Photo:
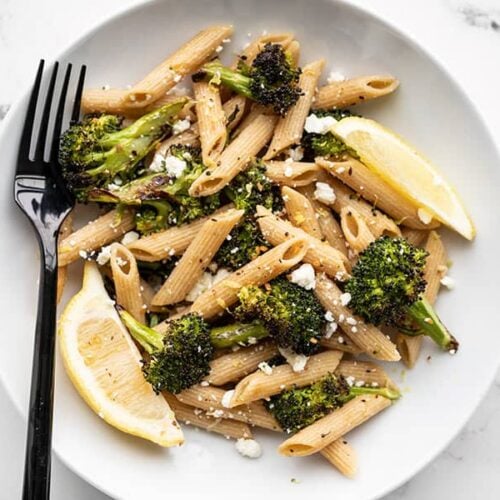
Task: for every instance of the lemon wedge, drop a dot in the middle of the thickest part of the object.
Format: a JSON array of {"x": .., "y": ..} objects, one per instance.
[
  {"x": 105, "y": 366},
  {"x": 403, "y": 168}
]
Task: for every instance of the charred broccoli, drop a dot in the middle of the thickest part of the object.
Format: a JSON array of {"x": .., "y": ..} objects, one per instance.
[
  {"x": 327, "y": 144},
  {"x": 297, "y": 408},
  {"x": 271, "y": 79},
  {"x": 386, "y": 286},
  {"x": 97, "y": 151},
  {"x": 293, "y": 315}
]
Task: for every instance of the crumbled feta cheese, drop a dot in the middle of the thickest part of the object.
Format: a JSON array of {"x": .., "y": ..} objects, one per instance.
[
  {"x": 177, "y": 78},
  {"x": 83, "y": 254},
  {"x": 158, "y": 163},
  {"x": 174, "y": 166},
  {"x": 264, "y": 367},
  {"x": 304, "y": 276},
  {"x": 448, "y": 282},
  {"x": 180, "y": 126},
  {"x": 216, "y": 413},
  {"x": 296, "y": 154},
  {"x": 104, "y": 255},
  {"x": 296, "y": 361},
  {"x": 360, "y": 383},
  {"x": 345, "y": 298},
  {"x": 226, "y": 398},
  {"x": 351, "y": 321},
  {"x": 316, "y": 125},
  {"x": 288, "y": 171},
  {"x": 130, "y": 237},
  {"x": 206, "y": 282},
  {"x": 248, "y": 448},
  {"x": 452, "y": 351},
  {"x": 330, "y": 329},
  {"x": 329, "y": 316},
  {"x": 335, "y": 76},
  {"x": 219, "y": 49},
  {"x": 350, "y": 380},
  {"x": 424, "y": 215},
  {"x": 324, "y": 193}
]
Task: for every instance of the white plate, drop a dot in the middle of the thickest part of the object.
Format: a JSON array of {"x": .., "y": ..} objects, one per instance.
[{"x": 440, "y": 394}]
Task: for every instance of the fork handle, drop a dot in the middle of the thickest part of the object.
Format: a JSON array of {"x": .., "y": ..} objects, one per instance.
[{"x": 39, "y": 436}]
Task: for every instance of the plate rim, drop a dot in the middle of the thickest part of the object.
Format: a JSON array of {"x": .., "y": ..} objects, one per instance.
[{"x": 413, "y": 42}]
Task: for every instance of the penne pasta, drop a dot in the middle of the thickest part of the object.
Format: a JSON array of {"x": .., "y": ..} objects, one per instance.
[
  {"x": 185, "y": 60},
  {"x": 355, "y": 229},
  {"x": 236, "y": 156},
  {"x": 340, "y": 342},
  {"x": 62, "y": 271},
  {"x": 289, "y": 128},
  {"x": 367, "y": 337},
  {"x": 319, "y": 254},
  {"x": 415, "y": 236},
  {"x": 372, "y": 188},
  {"x": 248, "y": 54},
  {"x": 91, "y": 237},
  {"x": 258, "y": 385},
  {"x": 172, "y": 241},
  {"x": 292, "y": 173},
  {"x": 332, "y": 427},
  {"x": 342, "y": 456},
  {"x": 197, "y": 257},
  {"x": 435, "y": 270},
  {"x": 236, "y": 365},
  {"x": 301, "y": 212},
  {"x": 104, "y": 100},
  {"x": 198, "y": 418},
  {"x": 234, "y": 109},
  {"x": 257, "y": 272},
  {"x": 127, "y": 281},
  {"x": 211, "y": 121},
  {"x": 365, "y": 373},
  {"x": 347, "y": 93}
]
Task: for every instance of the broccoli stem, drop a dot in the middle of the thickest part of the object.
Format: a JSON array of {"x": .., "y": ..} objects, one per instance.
[
  {"x": 386, "y": 392},
  {"x": 237, "y": 333},
  {"x": 429, "y": 324},
  {"x": 149, "y": 339},
  {"x": 229, "y": 78}
]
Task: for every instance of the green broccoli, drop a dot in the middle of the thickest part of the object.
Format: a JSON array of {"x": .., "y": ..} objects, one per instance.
[
  {"x": 271, "y": 79},
  {"x": 97, "y": 151},
  {"x": 386, "y": 286},
  {"x": 297, "y": 408},
  {"x": 293, "y": 315},
  {"x": 181, "y": 357},
  {"x": 326, "y": 145}
]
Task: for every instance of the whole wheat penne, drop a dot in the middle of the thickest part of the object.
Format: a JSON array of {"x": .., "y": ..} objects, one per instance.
[
  {"x": 127, "y": 281},
  {"x": 238, "y": 364},
  {"x": 353, "y": 91},
  {"x": 62, "y": 271},
  {"x": 414, "y": 236},
  {"x": 365, "y": 373},
  {"x": 332, "y": 232},
  {"x": 255, "y": 46},
  {"x": 355, "y": 229},
  {"x": 199, "y": 418},
  {"x": 234, "y": 109},
  {"x": 257, "y": 272},
  {"x": 172, "y": 241},
  {"x": 290, "y": 127},
  {"x": 373, "y": 188},
  {"x": 301, "y": 212},
  {"x": 196, "y": 258},
  {"x": 378, "y": 222},
  {"x": 235, "y": 157},
  {"x": 103, "y": 100},
  {"x": 319, "y": 254},
  {"x": 340, "y": 342},
  {"x": 328, "y": 429},
  {"x": 258, "y": 385},
  {"x": 185, "y": 60},
  {"x": 435, "y": 270},
  {"x": 211, "y": 121},
  {"x": 293, "y": 51},
  {"x": 292, "y": 173},
  {"x": 342, "y": 456},
  {"x": 95, "y": 234},
  {"x": 210, "y": 399},
  {"x": 367, "y": 337}
]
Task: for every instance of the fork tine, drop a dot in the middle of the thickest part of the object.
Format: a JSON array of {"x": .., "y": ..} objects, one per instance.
[
  {"x": 75, "y": 115},
  {"x": 24, "y": 146},
  {"x": 44, "y": 123},
  {"x": 54, "y": 150}
]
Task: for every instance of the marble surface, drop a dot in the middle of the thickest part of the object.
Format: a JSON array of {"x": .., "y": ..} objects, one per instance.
[{"x": 463, "y": 35}]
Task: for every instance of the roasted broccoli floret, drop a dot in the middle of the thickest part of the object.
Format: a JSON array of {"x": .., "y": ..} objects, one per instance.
[
  {"x": 293, "y": 315},
  {"x": 327, "y": 144},
  {"x": 386, "y": 287},
  {"x": 97, "y": 151},
  {"x": 180, "y": 358},
  {"x": 247, "y": 190},
  {"x": 271, "y": 79},
  {"x": 297, "y": 408}
]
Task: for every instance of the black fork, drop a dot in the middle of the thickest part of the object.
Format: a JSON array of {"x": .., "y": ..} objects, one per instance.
[{"x": 40, "y": 193}]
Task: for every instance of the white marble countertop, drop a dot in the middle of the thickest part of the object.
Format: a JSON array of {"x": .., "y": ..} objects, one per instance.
[{"x": 463, "y": 34}]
